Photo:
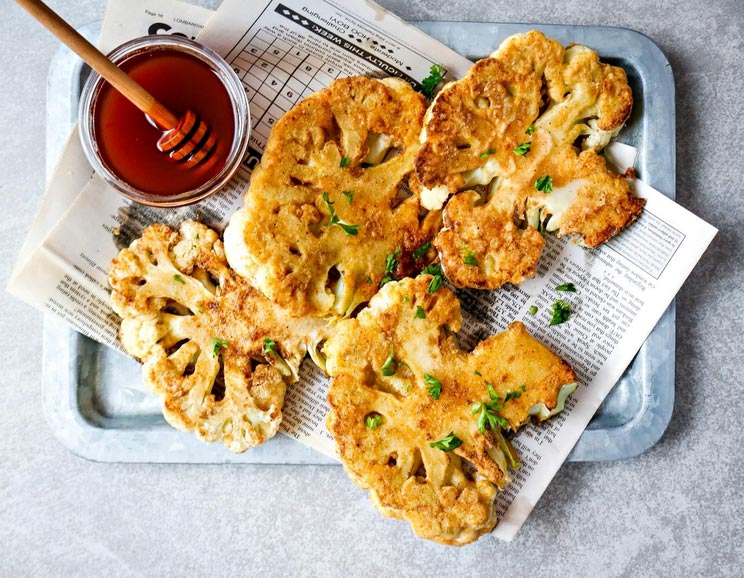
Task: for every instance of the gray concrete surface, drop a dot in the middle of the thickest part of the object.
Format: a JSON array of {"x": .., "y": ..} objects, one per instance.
[{"x": 676, "y": 510}]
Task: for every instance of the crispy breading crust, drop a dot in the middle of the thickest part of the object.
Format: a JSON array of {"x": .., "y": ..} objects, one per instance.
[
  {"x": 283, "y": 241},
  {"x": 176, "y": 294},
  {"x": 471, "y": 131},
  {"x": 511, "y": 256},
  {"x": 445, "y": 496}
]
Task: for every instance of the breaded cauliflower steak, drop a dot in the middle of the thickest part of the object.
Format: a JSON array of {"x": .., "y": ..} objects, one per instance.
[
  {"x": 324, "y": 208},
  {"x": 446, "y": 496},
  {"x": 513, "y": 121},
  {"x": 201, "y": 332}
]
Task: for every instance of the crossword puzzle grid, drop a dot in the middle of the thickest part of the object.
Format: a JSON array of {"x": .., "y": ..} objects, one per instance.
[{"x": 276, "y": 75}]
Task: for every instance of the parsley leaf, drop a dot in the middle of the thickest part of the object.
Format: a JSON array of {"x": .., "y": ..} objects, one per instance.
[
  {"x": 406, "y": 298},
  {"x": 391, "y": 262},
  {"x": 495, "y": 399},
  {"x": 487, "y": 416},
  {"x": 179, "y": 279},
  {"x": 350, "y": 230},
  {"x": 421, "y": 252},
  {"x": 512, "y": 395},
  {"x": 430, "y": 83},
  {"x": 420, "y": 313},
  {"x": 447, "y": 444},
  {"x": 329, "y": 205},
  {"x": 391, "y": 364},
  {"x": 522, "y": 149},
  {"x": 570, "y": 287},
  {"x": 435, "y": 270},
  {"x": 373, "y": 420},
  {"x": 530, "y": 130},
  {"x": 201, "y": 309},
  {"x": 478, "y": 373},
  {"x": 344, "y": 162},
  {"x": 349, "y": 195},
  {"x": 561, "y": 312},
  {"x": 216, "y": 344},
  {"x": 544, "y": 184},
  {"x": 486, "y": 153},
  {"x": 469, "y": 258},
  {"x": 269, "y": 346},
  {"x": 533, "y": 310},
  {"x": 435, "y": 386}
]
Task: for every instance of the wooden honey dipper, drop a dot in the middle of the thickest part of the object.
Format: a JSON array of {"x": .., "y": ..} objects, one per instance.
[{"x": 187, "y": 139}]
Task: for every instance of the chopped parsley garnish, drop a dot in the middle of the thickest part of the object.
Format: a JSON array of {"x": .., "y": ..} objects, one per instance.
[
  {"x": 373, "y": 420},
  {"x": 269, "y": 346},
  {"x": 406, "y": 298},
  {"x": 487, "y": 416},
  {"x": 448, "y": 443},
  {"x": 478, "y": 373},
  {"x": 349, "y": 195},
  {"x": 217, "y": 344},
  {"x": 469, "y": 258},
  {"x": 350, "y": 230},
  {"x": 435, "y": 285},
  {"x": 391, "y": 364},
  {"x": 201, "y": 309},
  {"x": 522, "y": 149},
  {"x": 430, "y": 83},
  {"x": 533, "y": 310},
  {"x": 421, "y": 252},
  {"x": 487, "y": 153},
  {"x": 434, "y": 385},
  {"x": 420, "y": 313},
  {"x": 570, "y": 287},
  {"x": 391, "y": 262},
  {"x": 179, "y": 279},
  {"x": 544, "y": 184},
  {"x": 530, "y": 130},
  {"x": 435, "y": 270},
  {"x": 345, "y": 162},
  {"x": 512, "y": 395},
  {"x": 561, "y": 312}
]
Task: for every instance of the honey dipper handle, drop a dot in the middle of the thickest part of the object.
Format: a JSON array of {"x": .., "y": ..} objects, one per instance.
[{"x": 119, "y": 79}]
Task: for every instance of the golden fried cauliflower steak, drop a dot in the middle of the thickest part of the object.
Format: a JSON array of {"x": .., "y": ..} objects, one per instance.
[
  {"x": 401, "y": 389},
  {"x": 214, "y": 349},
  {"x": 330, "y": 200},
  {"x": 512, "y": 128}
]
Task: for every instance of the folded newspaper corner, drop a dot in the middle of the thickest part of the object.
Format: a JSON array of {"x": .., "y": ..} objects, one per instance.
[{"x": 283, "y": 52}]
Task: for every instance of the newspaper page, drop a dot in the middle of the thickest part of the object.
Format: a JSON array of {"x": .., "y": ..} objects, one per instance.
[{"x": 283, "y": 51}]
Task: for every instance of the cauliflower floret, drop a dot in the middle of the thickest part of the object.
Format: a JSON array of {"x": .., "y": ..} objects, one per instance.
[
  {"x": 511, "y": 126},
  {"x": 214, "y": 349},
  {"x": 332, "y": 200},
  {"x": 420, "y": 422}
]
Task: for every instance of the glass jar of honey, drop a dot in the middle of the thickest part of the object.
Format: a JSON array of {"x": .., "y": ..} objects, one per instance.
[{"x": 120, "y": 141}]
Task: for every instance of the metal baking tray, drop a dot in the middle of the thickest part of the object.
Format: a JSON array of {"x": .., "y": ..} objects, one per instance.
[{"x": 94, "y": 399}]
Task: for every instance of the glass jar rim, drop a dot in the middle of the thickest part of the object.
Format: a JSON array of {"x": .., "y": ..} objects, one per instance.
[{"x": 241, "y": 116}]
